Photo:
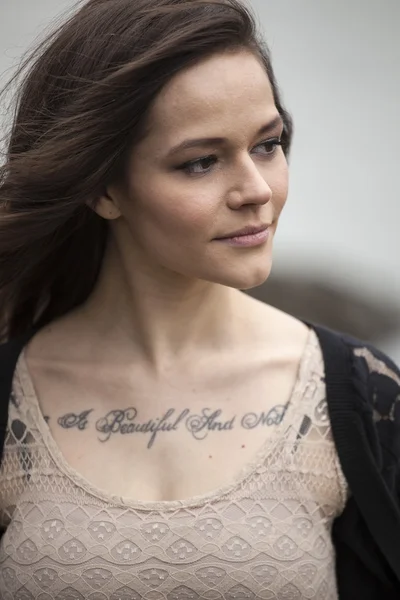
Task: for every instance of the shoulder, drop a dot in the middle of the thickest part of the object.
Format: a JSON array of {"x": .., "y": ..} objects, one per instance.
[
  {"x": 373, "y": 359},
  {"x": 375, "y": 383},
  {"x": 381, "y": 374},
  {"x": 365, "y": 360},
  {"x": 372, "y": 367},
  {"x": 267, "y": 324},
  {"x": 9, "y": 354},
  {"x": 378, "y": 377}
]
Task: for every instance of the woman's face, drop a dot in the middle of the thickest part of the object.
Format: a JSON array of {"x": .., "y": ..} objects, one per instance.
[{"x": 210, "y": 165}]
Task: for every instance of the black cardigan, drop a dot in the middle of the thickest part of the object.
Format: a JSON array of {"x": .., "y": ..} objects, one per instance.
[{"x": 363, "y": 394}]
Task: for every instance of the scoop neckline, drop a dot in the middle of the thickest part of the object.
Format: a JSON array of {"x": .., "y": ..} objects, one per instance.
[{"x": 249, "y": 469}]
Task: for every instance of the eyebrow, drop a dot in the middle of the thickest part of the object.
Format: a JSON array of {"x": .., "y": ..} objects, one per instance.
[{"x": 194, "y": 143}]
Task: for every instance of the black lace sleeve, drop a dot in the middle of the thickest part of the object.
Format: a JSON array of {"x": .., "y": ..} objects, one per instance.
[{"x": 378, "y": 380}]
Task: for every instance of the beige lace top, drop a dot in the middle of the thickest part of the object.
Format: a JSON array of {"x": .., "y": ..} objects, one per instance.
[{"x": 267, "y": 535}]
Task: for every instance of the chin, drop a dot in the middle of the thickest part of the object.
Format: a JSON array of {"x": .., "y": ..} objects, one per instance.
[
  {"x": 246, "y": 279},
  {"x": 245, "y": 269}
]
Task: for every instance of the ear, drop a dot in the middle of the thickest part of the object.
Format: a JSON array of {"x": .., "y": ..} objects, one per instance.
[{"x": 106, "y": 205}]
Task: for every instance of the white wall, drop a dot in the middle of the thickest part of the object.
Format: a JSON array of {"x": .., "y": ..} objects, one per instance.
[{"x": 337, "y": 62}]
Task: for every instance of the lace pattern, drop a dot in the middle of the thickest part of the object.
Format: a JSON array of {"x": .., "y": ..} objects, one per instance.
[{"x": 267, "y": 536}]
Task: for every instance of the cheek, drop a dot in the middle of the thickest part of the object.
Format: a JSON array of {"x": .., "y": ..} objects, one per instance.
[
  {"x": 279, "y": 184},
  {"x": 172, "y": 210}
]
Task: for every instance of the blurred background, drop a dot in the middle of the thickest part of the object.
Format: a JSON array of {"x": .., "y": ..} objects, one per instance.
[{"x": 337, "y": 252}]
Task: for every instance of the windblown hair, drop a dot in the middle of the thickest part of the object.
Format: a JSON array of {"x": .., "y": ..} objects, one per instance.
[{"x": 81, "y": 107}]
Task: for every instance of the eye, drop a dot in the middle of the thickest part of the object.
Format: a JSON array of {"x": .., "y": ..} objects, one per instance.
[
  {"x": 269, "y": 146},
  {"x": 199, "y": 166}
]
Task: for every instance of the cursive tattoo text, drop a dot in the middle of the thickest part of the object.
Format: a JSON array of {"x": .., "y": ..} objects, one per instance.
[
  {"x": 200, "y": 425},
  {"x": 72, "y": 420},
  {"x": 126, "y": 422}
]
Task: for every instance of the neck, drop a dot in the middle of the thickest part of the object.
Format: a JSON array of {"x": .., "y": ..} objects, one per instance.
[{"x": 160, "y": 317}]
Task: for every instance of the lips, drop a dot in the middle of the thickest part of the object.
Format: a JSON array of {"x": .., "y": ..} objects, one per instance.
[{"x": 245, "y": 231}]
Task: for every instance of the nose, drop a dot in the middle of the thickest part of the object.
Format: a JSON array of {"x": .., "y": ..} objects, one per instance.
[{"x": 249, "y": 186}]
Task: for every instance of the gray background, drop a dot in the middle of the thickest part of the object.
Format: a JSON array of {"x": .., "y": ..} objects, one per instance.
[{"x": 337, "y": 63}]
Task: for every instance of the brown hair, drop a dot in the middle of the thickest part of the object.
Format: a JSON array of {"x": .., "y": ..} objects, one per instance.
[{"x": 81, "y": 108}]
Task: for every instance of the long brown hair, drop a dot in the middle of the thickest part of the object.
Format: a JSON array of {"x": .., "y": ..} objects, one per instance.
[{"x": 81, "y": 107}]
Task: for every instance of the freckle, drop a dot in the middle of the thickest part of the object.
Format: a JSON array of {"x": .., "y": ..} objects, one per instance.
[
  {"x": 243, "y": 446},
  {"x": 210, "y": 456}
]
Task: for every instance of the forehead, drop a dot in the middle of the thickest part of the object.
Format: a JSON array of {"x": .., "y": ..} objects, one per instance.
[{"x": 224, "y": 91}]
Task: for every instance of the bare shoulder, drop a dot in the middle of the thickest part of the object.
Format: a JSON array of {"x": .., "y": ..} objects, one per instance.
[
  {"x": 282, "y": 332},
  {"x": 59, "y": 340},
  {"x": 55, "y": 351}
]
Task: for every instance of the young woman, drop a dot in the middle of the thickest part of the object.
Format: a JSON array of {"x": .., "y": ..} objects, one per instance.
[{"x": 166, "y": 435}]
